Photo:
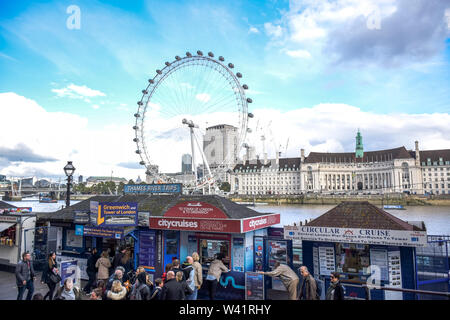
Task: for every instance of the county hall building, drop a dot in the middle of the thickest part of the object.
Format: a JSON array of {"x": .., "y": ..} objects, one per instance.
[{"x": 372, "y": 172}]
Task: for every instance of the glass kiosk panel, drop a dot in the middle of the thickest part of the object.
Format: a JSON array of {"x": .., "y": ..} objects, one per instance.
[{"x": 210, "y": 247}]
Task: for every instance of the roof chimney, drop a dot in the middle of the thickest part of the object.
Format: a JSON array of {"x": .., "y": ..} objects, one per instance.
[{"x": 302, "y": 155}]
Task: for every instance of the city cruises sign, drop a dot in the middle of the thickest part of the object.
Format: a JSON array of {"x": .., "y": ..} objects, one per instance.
[{"x": 354, "y": 235}]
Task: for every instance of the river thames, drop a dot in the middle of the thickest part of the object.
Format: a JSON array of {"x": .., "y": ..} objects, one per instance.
[{"x": 437, "y": 219}]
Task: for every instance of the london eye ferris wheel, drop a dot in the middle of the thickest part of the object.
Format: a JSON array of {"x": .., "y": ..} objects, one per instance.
[{"x": 185, "y": 97}]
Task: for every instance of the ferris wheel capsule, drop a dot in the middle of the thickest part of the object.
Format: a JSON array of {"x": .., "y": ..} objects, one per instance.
[
  {"x": 230, "y": 65},
  {"x": 144, "y": 91},
  {"x": 188, "y": 54},
  {"x": 167, "y": 63},
  {"x": 199, "y": 53},
  {"x": 158, "y": 71},
  {"x": 177, "y": 58},
  {"x": 151, "y": 81},
  {"x": 239, "y": 75},
  {"x": 211, "y": 54},
  {"x": 137, "y": 115},
  {"x": 142, "y": 163},
  {"x": 135, "y": 139},
  {"x": 245, "y": 86},
  {"x": 249, "y": 100},
  {"x": 221, "y": 58}
]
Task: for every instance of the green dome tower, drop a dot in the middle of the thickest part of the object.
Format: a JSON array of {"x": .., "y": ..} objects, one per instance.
[{"x": 359, "y": 151}]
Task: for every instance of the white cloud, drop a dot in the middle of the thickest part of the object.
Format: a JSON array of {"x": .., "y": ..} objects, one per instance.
[
  {"x": 203, "y": 97},
  {"x": 253, "y": 30},
  {"x": 78, "y": 92},
  {"x": 95, "y": 106},
  {"x": 97, "y": 151},
  {"x": 273, "y": 30},
  {"x": 303, "y": 54}
]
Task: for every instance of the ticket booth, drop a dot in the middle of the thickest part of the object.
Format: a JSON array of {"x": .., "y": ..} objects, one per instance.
[
  {"x": 207, "y": 225},
  {"x": 365, "y": 245}
]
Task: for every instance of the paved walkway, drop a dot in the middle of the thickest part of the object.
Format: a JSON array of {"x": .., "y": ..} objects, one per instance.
[{"x": 8, "y": 288}]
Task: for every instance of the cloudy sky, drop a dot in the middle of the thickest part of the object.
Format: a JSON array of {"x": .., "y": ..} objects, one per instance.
[{"x": 317, "y": 70}]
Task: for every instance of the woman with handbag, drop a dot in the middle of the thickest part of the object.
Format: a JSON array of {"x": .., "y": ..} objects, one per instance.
[{"x": 50, "y": 275}]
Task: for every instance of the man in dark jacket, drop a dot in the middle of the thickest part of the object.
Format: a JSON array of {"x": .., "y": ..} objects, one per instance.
[
  {"x": 91, "y": 270},
  {"x": 156, "y": 294},
  {"x": 117, "y": 275},
  {"x": 172, "y": 289},
  {"x": 308, "y": 289},
  {"x": 118, "y": 257},
  {"x": 335, "y": 290},
  {"x": 176, "y": 267},
  {"x": 25, "y": 276}
]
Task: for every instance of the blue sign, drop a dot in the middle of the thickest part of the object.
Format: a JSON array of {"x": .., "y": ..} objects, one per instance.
[
  {"x": 78, "y": 230},
  {"x": 117, "y": 214},
  {"x": 153, "y": 188},
  {"x": 68, "y": 270},
  {"x": 103, "y": 232}
]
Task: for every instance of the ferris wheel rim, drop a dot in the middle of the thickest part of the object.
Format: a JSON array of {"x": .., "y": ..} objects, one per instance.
[{"x": 171, "y": 67}]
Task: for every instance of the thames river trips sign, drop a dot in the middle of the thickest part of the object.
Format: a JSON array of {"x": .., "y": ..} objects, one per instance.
[{"x": 354, "y": 235}]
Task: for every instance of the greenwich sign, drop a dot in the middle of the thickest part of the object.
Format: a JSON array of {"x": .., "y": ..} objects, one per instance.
[{"x": 354, "y": 235}]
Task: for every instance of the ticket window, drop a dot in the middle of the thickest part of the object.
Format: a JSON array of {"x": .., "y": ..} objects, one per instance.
[
  {"x": 209, "y": 248},
  {"x": 352, "y": 259},
  {"x": 7, "y": 234}
]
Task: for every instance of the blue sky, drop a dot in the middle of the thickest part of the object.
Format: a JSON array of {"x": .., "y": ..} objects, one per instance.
[{"x": 294, "y": 56}]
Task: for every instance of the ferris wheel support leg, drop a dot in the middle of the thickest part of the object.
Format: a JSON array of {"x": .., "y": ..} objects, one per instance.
[
  {"x": 194, "y": 169},
  {"x": 203, "y": 156}
]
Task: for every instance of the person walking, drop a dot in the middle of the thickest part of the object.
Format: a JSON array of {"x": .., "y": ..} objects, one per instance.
[
  {"x": 189, "y": 273},
  {"x": 68, "y": 291},
  {"x": 172, "y": 289},
  {"x": 25, "y": 277},
  {"x": 50, "y": 275},
  {"x": 91, "y": 270},
  {"x": 156, "y": 294},
  {"x": 103, "y": 264},
  {"x": 308, "y": 289},
  {"x": 140, "y": 289},
  {"x": 287, "y": 276},
  {"x": 335, "y": 290},
  {"x": 198, "y": 274},
  {"x": 214, "y": 272},
  {"x": 117, "y": 292}
]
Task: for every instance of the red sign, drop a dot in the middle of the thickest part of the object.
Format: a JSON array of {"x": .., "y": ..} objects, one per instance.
[
  {"x": 204, "y": 225},
  {"x": 255, "y": 223},
  {"x": 195, "y": 209}
]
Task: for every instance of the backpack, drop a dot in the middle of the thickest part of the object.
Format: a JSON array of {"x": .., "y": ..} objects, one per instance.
[{"x": 187, "y": 270}]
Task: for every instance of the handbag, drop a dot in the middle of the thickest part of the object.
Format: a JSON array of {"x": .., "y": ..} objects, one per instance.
[{"x": 54, "y": 278}]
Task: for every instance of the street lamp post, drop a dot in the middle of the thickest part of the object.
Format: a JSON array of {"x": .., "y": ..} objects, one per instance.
[{"x": 69, "y": 169}]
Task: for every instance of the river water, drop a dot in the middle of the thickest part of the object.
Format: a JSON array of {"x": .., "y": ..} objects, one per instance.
[{"x": 437, "y": 219}]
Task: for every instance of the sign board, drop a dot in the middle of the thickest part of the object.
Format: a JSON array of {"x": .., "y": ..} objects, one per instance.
[
  {"x": 115, "y": 214},
  {"x": 395, "y": 276},
  {"x": 11, "y": 219},
  {"x": 260, "y": 222},
  {"x": 354, "y": 235},
  {"x": 238, "y": 254},
  {"x": 143, "y": 219},
  {"x": 326, "y": 260},
  {"x": 206, "y": 225},
  {"x": 17, "y": 210},
  {"x": 147, "y": 249},
  {"x": 69, "y": 269},
  {"x": 379, "y": 257},
  {"x": 195, "y": 209},
  {"x": 254, "y": 286},
  {"x": 102, "y": 232},
  {"x": 152, "y": 188},
  {"x": 81, "y": 217}
]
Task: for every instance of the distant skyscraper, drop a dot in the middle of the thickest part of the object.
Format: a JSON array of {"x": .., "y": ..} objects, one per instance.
[
  {"x": 138, "y": 180},
  {"x": 80, "y": 179},
  {"x": 186, "y": 163}
]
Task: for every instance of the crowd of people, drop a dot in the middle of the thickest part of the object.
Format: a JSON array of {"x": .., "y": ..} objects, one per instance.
[{"x": 115, "y": 279}]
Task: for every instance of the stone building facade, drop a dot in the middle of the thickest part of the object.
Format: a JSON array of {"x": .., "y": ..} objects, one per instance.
[{"x": 373, "y": 172}]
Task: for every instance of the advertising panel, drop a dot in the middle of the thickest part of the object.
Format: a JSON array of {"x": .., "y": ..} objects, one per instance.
[
  {"x": 195, "y": 209},
  {"x": 116, "y": 214},
  {"x": 152, "y": 188},
  {"x": 354, "y": 235},
  {"x": 147, "y": 249},
  {"x": 254, "y": 286},
  {"x": 238, "y": 254},
  {"x": 206, "y": 225},
  {"x": 260, "y": 222},
  {"x": 102, "y": 232},
  {"x": 259, "y": 253},
  {"x": 70, "y": 269}
]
